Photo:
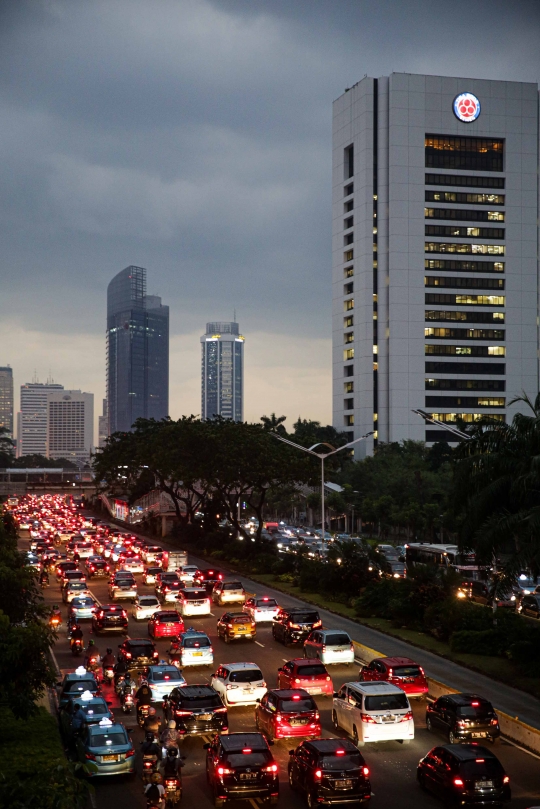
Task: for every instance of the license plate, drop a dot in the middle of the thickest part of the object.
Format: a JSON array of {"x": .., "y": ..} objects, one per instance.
[
  {"x": 347, "y": 784},
  {"x": 483, "y": 785},
  {"x": 240, "y": 628},
  {"x": 248, "y": 776},
  {"x": 110, "y": 758},
  {"x": 478, "y": 735},
  {"x": 388, "y": 719},
  {"x": 197, "y": 654},
  {"x": 298, "y": 722},
  {"x": 315, "y": 690},
  {"x": 205, "y": 716}
]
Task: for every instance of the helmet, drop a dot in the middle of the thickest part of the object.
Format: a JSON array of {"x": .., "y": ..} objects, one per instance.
[
  {"x": 151, "y": 711},
  {"x": 156, "y": 778},
  {"x": 171, "y": 725},
  {"x": 172, "y": 752},
  {"x": 91, "y": 642},
  {"x": 144, "y": 682},
  {"x": 77, "y": 705},
  {"x": 55, "y": 606},
  {"x": 109, "y": 651},
  {"x": 149, "y": 736}
]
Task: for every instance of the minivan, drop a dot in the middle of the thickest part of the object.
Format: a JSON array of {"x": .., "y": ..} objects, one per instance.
[{"x": 373, "y": 712}]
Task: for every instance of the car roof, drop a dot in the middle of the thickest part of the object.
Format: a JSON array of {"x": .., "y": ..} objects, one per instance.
[
  {"x": 238, "y": 741},
  {"x": 333, "y": 631},
  {"x": 468, "y": 752},
  {"x": 202, "y": 690},
  {"x": 288, "y": 693},
  {"x": 331, "y": 745},
  {"x": 147, "y": 595},
  {"x": 139, "y": 641},
  {"x": 193, "y": 632},
  {"x": 304, "y": 661},
  {"x": 240, "y": 666},
  {"x": 111, "y": 607},
  {"x": 375, "y": 688},
  {"x": 162, "y": 613},
  {"x": 116, "y": 727},
  {"x": 74, "y": 676},
  {"x": 466, "y": 699},
  {"x": 163, "y": 667},
  {"x": 396, "y": 661}
]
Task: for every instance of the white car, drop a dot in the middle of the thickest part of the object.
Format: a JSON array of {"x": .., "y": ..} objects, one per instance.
[
  {"x": 193, "y": 601},
  {"x": 187, "y": 572},
  {"x": 74, "y": 592},
  {"x": 373, "y": 712},
  {"x": 330, "y": 646},
  {"x": 239, "y": 683},
  {"x": 24, "y": 525},
  {"x": 162, "y": 679},
  {"x": 262, "y": 608},
  {"x": 144, "y": 607},
  {"x": 133, "y": 565}
]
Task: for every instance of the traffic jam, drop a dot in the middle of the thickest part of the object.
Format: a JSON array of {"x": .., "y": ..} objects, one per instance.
[{"x": 165, "y": 678}]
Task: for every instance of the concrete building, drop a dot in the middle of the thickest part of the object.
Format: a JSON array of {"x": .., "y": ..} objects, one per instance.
[
  {"x": 32, "y": 418},
  {"x": 103, "y": 426},
  {"x": 222, "y": 372},
  {"x": 70, "y": 425},
  {"x": 435, "y": 240},
  {"x": 6, "y": 399},
  {"x": 137, "y": 352}
]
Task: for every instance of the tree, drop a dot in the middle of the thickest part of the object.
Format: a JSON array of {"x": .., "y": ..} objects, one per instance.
[
  {"x": 36, "y": 461},
  {"x": 308, "y": 433},
  {"x": 6, "y": 448},
  {"x": 274, "y": 423}
]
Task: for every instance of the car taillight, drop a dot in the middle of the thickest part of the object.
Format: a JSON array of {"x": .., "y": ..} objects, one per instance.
[
  {"x": 155, "y": 654},
  {"x": 406, "y": 716},
  {"x": 279, "y": 717},
  {"x": 367, "y": 719},
  {"x": 506, "y": 779},
  {"x": 328, "y": 679},
  {"x": 130, "y": 753},
  {"x": 128, "y": 654},
  {"x": 271, "y": 768},
  {"x": 90, "y": 756},
  {"x": 220, "y": 710},
  {"x": 458, "y": 782},
  {"x": 317, "y": 624},
  {"x": 323, "y": 647},
  {"x": 223, "y": 771},
  {"x": 318, "y": 774},
  {"x": 182, "y": 713},
  {"x": 494, "y": 721}
]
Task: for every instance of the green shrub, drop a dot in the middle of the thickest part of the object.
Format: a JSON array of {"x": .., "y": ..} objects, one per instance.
[
  {"x": 483, "y": 642},
  {"x": 451, "y": 615},
  {"x": 525, "y": 652}
]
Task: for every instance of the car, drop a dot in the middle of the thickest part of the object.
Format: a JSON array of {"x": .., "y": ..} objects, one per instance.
[
  {"x": 241, "y": 766},
  {"x": 236, "y": 626},
  {"x": 373, "y": 712},
  {"x": 191, "y": 648},
  {"x": 164, "y": 579},
  {"x": 463, "y": 717},
  {"x": 330, "y": 646},
  {"x": 311, "y": 675},
  {"x": 73, "y": 589},
  {"x": 530, "y": 605},
  {"x": 207, "y": 578},
  {"x": 74, "y": 684},
  {"x": 149, "y": 552},
  {"x": 261, "y": 609},
  {"x": 84, "y": 549},
  {"x": 133, "y": 565},
  {"x": 228, "y": 592},
  {"x": 123, "y": 586},
  {"x": 96, "y": 566},
  {"x": 393, "y": 568},
  {"x": 294, "y": 625},
  {"x": 72, "y": 575},
  {"x": 193, "y": 601},
  {"x": 162, "y": 679},
  {"x": 144, "y": 607},
  {"x": 117, "y": 551},
  {"x": 197, "y": 710},
  {"x": 526, "y": 584},
  {"x": 187, "y": 572},
  {"x": 479, "y": 592},
  {"x": 288, "y": 712},
  {"x": 462, "y": 775},
  {"x": 401, "y": 671},
  {"x": 62, "y": 568},
  {"x": 329, "y": 771},
  {"x": 138, "y": 653},
  {"x": 83, "y": 607},
  {"x": 239, "y": 683},
  {"x": 110, "y": 618},
  {"x": 149, "y": 574},
  {"x": 170, "y": 591},
  {"x": 165, "y": 624},
  {"x": 388, "y": 552},
  {"x": 95, "y": 708},
  {"x": 108, "y": 747}
]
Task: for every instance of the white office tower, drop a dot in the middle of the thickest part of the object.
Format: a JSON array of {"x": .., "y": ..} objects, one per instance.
[
  {"x": 32, "y": 418},
  {"x": 103, "y": 426},
  {"x": 222, "y": 372},
  {"x": 435, "y": 237},
  {"x": 70, "y": 425}
]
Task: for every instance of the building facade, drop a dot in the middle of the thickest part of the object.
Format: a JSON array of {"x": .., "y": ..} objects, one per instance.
[
  {"x": 435, "y": 244},
  {"x": 32, "y": 418},
  {"x": 137, "y": 352},
  {"x": 70, "y": 425},
  {"x": 103, "y": 426},
  {"x": 6, "y": 399},
  {"x": 222, "y": 372}
]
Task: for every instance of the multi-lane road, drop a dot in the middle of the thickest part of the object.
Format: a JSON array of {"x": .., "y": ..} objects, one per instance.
[{"x": 392, "y": 765}]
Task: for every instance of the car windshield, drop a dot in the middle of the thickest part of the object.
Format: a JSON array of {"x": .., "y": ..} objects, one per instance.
[
  {"x": 347, "y": 762},
  {"x": 140, "y": 651},
  {"x": 148, "y": 601},
  {"x": 339, "y": 639},
  {"x": 95, "y": 710},
  {"x": 407, "y": 671},
  {"x": 210, "y": 701},
  {"x": 256, "y": 759},
  {"x": 266, "y": 602},
  {"x": 473, "y": 711},
  {"x": 245, "y": 676},
  {"x": 304, "y": 617},
  {"x": 481, "y": 768},
  {"x": 297, "y": 705},
  {"x": 80, "y": 685},
  {"x": 309, "y": 671},
  {"x": 232, "y": 585},
  {"x": 172, "y": 618},
  {"x": 196, "y": 595},
  {"x": 196, "y": 643},
  {"x": 386, "y": 702},
  {"x": 108, "y": 739},
  {"x": 83, "y": 602},
  {"x": 166, "y": 676}
]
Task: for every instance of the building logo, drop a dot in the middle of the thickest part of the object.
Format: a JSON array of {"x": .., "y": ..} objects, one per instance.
[{"x": 466, "y": 107}]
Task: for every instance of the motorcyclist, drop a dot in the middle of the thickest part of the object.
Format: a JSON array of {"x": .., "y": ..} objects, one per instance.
[
  {"x": 170, "y": 736},
  {"x": 154, "y": 792},
  {"x": 92, "y": 653},
  {"x": 152, "y": 722},
  {"x": 143, "y": 696},
  {"x": 44, "y": 578},
  {"x": 55, "y": 615},
  {"x": 108, "y": 660},
  {"x": 172, "y": 763},
  {"x": 120, "y": 670},
  {"x": 150, "y": 747},
  {"x": 75, "y": 633}
]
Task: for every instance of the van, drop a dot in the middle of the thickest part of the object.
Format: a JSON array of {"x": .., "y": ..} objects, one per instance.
[
  {"x": 176, "y": 560},
  {"x": 193, "y": 601},
  {"x": 373, "y": 712}
]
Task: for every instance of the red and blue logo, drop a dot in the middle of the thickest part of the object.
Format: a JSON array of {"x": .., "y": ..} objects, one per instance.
[{"x": 466, "y": 107}]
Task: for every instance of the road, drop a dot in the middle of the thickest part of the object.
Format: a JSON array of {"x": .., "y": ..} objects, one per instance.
[{"x": 392, "y": 765}]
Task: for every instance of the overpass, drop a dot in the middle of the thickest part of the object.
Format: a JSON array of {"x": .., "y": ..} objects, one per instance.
[{"x": 46, "y": 481}]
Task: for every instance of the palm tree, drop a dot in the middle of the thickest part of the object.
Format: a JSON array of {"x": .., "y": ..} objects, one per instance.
[{"x": 274, "y": 423}]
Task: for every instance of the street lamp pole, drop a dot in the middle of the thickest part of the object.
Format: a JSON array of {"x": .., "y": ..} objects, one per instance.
[{"x": 322, "y": 456}]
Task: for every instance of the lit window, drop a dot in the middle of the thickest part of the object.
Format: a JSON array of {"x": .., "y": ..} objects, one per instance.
[
  {"x": 349, "y": 421},
  {"x": 496, "y": 351},
  {"x": 348, "y": 354},
  {"x": 348, "y": 305},
  {"x": 348, "y": 255},
  {"x": 348, "y": 272},
  {"x": 375, "y": 349},
  {"x": 375, "y": 416},
  {"x": 348, "y": 387},
  {"x": 349, "y": 337},
  {"x": 348, "y": 321}
]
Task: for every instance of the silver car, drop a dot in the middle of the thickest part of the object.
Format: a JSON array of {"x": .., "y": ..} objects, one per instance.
[{"x": 330, "y": 646}]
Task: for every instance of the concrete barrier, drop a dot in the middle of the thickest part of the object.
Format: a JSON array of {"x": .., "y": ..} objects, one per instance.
[{"x": 364, "y": 654}]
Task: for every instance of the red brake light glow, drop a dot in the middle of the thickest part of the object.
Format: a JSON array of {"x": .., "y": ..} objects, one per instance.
[
  {"x": 506, "y": 779},
  {"x": 296, "y": 696},
  {"x": 246, "y": 750},
  {"x": 365, "y": 770},
  {"x": 475, "y": 704},
  {"x": 340, "y": 752},
  {"x": 318, "y": 773},
  {"x": 480, "y": 760},
  {"x": 458, "y": 782}
]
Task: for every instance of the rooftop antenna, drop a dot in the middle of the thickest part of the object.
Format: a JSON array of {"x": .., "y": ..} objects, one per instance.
[
  {"x": 234, "y": 316},
  {"x": 35, "y": 377}
]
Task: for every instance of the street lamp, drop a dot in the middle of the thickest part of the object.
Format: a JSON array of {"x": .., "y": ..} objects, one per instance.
[
  {"x": 322, "y": 456},
  {"x": 354, "y": 492},
  {"x": 448, "y": 427}
]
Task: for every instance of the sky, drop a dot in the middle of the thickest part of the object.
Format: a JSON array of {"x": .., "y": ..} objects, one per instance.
[{"x": 193, "y": 138}]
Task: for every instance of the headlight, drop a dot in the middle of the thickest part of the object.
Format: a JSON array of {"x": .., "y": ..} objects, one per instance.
[{"x": 460, "y": 594}]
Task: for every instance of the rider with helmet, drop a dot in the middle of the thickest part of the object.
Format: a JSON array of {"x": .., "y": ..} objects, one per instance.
[
  {"x": 150, "y": 747},
  {"x": 171, "y": 764},
  {"x": 44, "y": 578},
  {"x": 143, "y": 696},
  {"x": 152, "y": 722},
  {"x": 92, "y": 654},
  {"x": 170, "y": 736},
  {"x": 154, "y": 791}
]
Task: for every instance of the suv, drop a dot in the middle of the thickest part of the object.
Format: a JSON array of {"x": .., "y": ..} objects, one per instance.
[
  {"x": 138, "y": 653},
  {"x": 123, "y": 585},
  {"x": 284, "y": 712},
  {"x": 293, "y": 625},
  {"x": 463, "y": 717},
  {"x": 110, "y": 618},
  {"x": 530, "y": 605},
  {"x": 228, "y": 592},
  {"x": 373, "y": 712},
  {"x": 241, "y": 766},
  {"x": 311, "y": 675},
  {"x": 329, "y": 771},
  {"x": 96, "y": 566},
  {"x": 236, "y": 625},
  {"x": 401, "y": 671},
  {"x": 330, "y": 646},
  {"x": 207, "y": 578},
  {"x": 464, "y": 774},
  {"x": 197, "y": 709},
  {"x": 239, "y": 683}
]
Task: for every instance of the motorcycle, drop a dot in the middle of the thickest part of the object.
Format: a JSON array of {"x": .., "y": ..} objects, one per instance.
[
  {"x": 173, "y": 791},
  {"x": 150, "y": 766},
  {"x": 108, "y": 674},
  {"x": 119, "y": 687},
  {"x": 142, "y": 713},
  {"x": 126, "y": 701},
  {"x": 55, "y": 621},
  {"x": 93, "y": 664},
  {"x": 76, "y": 647}
]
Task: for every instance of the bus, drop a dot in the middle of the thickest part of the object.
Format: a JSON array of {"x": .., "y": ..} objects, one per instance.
[{"x": 445, "y": 556}]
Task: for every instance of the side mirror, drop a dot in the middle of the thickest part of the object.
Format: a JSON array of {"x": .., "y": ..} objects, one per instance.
[
  {"x": 335, "y": 694},
  {"x": 206, "y": 747},
  {"x": 280, "y": 669},
  {"x": 291, "y": 752},
  {"x": 257, "y": 700}
]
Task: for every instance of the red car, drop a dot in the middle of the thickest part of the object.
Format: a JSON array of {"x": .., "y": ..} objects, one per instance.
[
  {"x": 401, "y": 671},
  {"x": 283, "y": 713},
  {"x": 311, "y": 675},
  {"x": 165, "y": 624}
]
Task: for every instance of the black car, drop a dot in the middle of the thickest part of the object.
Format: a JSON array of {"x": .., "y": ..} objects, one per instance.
[
  {"x": 197, "y": 709},
  {"x": 329, "y": 771},
  {"x": 294, "y": 625},
  {"x": 241, "y": 766},
  {"x": 463, "y": 717},
  {"x": 207, "y": 578},
  {"x": 464, "y": 774},
  {"x": 110, "y": 618},
  {"x": 96, "y": 566},
  {"x": 530, "y": 605},
  {"x": 138, "y": 653}
]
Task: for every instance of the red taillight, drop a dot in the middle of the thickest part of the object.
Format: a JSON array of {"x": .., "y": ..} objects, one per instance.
[
  {"x": 90, "y": 756},
  {"x": 506, "y": 779},
  {"x": 365, "y": 771},
  {"x": 367, "y": 719},
  {"x": 340, "y": 752},
  {"x": 128, "y": 654},
  {"x": 458, "y": 782},
  {"x": 224, "y": 771},
  {"x": 246, "y": 750},
  {"x": 318, "y": 774},
  {"x": 271, "y": 768},
  {"x": 130, "y": 753},
  {"x": 296, "y": 696},
  {"x": 297, "y": 680},
  {"x": 494, "y": 721},
  {"x": 406, "y": 716}
]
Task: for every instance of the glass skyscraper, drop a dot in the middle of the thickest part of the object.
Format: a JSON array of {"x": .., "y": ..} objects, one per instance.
[
  {"x": 137, "y": 352},
  {"x": 6, "y": 399},
  {"x": 222, "y": 372}
]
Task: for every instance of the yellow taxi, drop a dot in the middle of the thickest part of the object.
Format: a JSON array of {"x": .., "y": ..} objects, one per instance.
[{"x": 235, "y": 626}]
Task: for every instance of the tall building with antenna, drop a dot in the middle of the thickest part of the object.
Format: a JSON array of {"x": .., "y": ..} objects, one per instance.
[{"x": 222, "y": 371}]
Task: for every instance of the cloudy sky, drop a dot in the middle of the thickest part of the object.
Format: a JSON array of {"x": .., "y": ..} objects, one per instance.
[{"x": 192, "y": 137}]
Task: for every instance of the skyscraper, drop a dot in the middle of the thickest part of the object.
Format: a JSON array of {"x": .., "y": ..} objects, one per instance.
[
  {"x": 435, "y": 234},
  {"x": 70, "y": 425},
  {"x": 137, "y": 352},
  {"x": 6, "y": 399},
  {"x": 32, "y": 418},
  {"x": 103, "y": 426},
  {"x": 222, "y": 372}
]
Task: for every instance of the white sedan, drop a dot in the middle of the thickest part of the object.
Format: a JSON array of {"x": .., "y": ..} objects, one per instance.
[
  {"x": 262, "y": 608},
  {"x": 239, "y": 683},
  {"x": 187, "y": 572},
  {"x": 144, "y": 607},
  {"x": 133, "y": 565}
]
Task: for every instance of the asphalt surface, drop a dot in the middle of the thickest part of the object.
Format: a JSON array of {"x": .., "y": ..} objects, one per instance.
[{"x": 392, "y": 765}]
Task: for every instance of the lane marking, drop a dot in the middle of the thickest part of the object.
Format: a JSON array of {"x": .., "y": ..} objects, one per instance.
[
  {"x": 259, "y": 644},
  {"x": 284, "y": 659}
]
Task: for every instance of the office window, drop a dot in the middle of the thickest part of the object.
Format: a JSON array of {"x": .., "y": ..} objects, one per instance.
[
  {"x": 464, "y": 334},
  {"x": 464, "y": 198},
  {"x": 348, "y": 321},
  {"x": 348, "y": 206},
  {"x": 463, "y": 283},
  {"x": 465, "y": 317},
  {"x": 463, "y": 213},
  {"x": 348, "y": 272},
  {"x": 348, "y": 190},
  {"x": 348, "y": 255},
  {"x": 469, "y": 368},
  {"x": 461, "y": 230},
  {"x": 451, "y": 418},
  {"x": 348, "y": 160},
  {"x": 461, "y": 180},
  {"x": 449, "y": 152},
  {"x": 349, "y": 421},
  {"x": 348, "y": 354},
  {"x": 348, "y": 239},
  {"x": 348, "y": 387},
  {"x": 348, "y": 223},
  {"x": 463, "y": 266},
  {"x": 466, "y": 384},
  {"x": 348, "y": 370},
  {"x": 348, "y": 289},
  {"x": 465, "y": 401},
  {"x": 348, "y": 404},
  {"x": 471, "y": 249},
  {"x": 466, "y": 351},
  {"x": 348, "y": 305},
  {"x": 348, "y": 337}
]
